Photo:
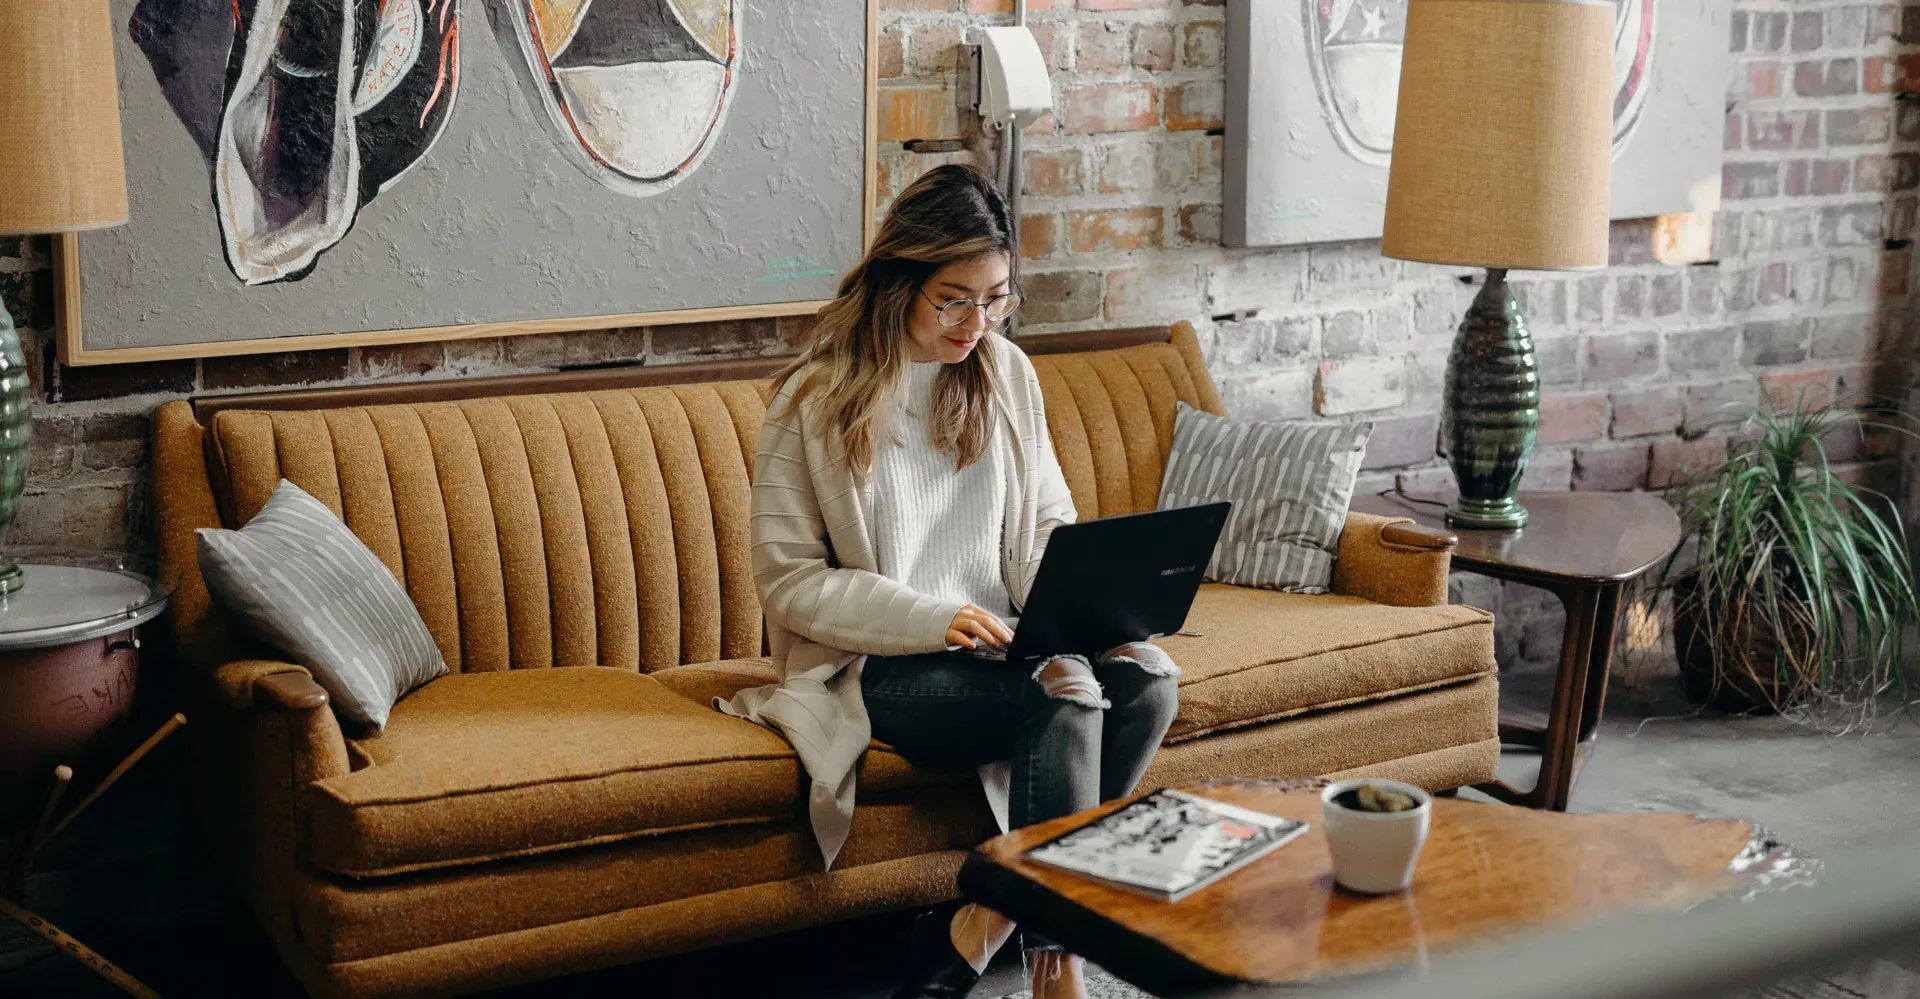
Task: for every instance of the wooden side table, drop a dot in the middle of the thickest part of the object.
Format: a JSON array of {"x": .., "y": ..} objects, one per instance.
[{"x": 1583, "y": 548}]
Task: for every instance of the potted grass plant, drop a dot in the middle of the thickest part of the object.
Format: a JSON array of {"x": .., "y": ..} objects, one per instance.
[{"x": 1794, "y": 589}]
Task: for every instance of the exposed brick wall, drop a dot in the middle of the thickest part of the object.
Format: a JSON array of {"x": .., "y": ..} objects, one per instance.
[
  {"x": 1642, "y": 362},
  {"x": 1808, "y": 287},
  {"x": 88, "y": 483}
]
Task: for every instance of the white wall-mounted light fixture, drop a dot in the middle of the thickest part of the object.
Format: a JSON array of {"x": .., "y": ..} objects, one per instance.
[
  {"x": 1011, "y": 91},
  {"x": 1015, "y": 89}
]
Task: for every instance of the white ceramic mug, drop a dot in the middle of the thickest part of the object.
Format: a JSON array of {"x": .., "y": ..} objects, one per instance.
[{"x": 1374, "y": 852}]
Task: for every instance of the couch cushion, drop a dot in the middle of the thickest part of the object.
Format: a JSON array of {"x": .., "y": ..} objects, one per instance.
[
  {"x": 1395, "y": 738},
  {"x": 702, "y": 682},
  {"x": 477, "y": 766},
  {"x": 1262, "y": 654},
  {"x": 881, "y": 769}
]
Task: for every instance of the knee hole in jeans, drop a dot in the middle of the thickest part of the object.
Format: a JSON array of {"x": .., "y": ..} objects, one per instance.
[
  {"x": 1070, "y": 678},
  {"x": 1150, "y": 658}
]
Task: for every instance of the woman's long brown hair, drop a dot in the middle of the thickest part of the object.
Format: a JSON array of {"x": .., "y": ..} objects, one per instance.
[{"x": 859, "y": 347}]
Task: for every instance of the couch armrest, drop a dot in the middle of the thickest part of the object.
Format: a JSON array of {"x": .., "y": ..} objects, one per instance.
[
  {"x": 288, "y": 692},
  {"x": 263, "y": 683},
  {"x": 1392, "y": 560},
  {"x": 319, "y": 748}
]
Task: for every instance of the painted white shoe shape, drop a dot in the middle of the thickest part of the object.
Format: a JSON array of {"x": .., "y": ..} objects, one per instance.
[{"x": 636, "y": 91}]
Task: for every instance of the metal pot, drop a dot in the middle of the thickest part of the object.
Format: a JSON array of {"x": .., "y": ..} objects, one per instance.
[{"x": 58, "y": 705}]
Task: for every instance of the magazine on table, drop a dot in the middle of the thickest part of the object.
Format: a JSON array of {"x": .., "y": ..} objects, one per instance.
[{"x": 1168, "y": 844}]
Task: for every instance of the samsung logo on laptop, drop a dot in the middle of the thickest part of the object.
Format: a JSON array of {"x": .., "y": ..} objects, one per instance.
[{"x": 1178, "y": 569}]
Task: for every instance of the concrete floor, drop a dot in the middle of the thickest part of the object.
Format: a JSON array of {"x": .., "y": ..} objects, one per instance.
[{"x": 1817, "y": 793}]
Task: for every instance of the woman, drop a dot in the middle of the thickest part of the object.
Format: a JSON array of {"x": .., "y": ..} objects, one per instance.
[{"x": 902, "y": 498}]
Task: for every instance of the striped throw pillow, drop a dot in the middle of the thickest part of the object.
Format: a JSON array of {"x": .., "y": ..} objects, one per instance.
[
  {"x": 302, "y": 582},
  {"x": 1290, "y": 484}
]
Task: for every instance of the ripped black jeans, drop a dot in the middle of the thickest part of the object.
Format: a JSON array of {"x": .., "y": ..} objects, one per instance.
[{"x": 1072, "y": 744}]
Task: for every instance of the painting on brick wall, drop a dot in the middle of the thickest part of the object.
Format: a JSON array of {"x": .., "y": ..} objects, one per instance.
[
  {"x": 389, "y": 170},
  {"x": 1311, "y": 90}
]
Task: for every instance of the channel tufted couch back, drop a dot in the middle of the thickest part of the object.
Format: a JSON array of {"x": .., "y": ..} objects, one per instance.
[
  {"x": 1110, "y": 416},
  {"x": 610, "y": 528},
  {"x": 584, "y": 529}
]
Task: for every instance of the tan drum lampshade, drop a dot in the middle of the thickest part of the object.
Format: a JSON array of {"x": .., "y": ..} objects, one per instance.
[
  {"x": 1501, "y": 147},
  {"x": 60, "y": 165}
]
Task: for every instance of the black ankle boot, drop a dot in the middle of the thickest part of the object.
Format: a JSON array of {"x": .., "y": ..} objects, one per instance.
[{"x": 937, "y": 971}]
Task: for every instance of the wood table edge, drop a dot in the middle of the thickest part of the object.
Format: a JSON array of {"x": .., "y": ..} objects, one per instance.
[
  {"x": 1141, "y": 960},
  {"x": 1404, "y": 505}
]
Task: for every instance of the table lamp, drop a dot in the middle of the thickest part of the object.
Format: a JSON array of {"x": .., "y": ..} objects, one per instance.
[
  {"x": 1501, "y": 152},
  {"x": 60, "y": 171}
]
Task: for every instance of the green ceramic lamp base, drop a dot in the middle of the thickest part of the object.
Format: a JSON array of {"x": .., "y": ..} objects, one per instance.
[
  {"x": 1487, "y": 515},
  {"x": 1491, "y": 412},
  {"x": 16, "y": 428}
]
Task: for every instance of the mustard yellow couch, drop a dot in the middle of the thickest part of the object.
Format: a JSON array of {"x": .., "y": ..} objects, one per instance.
[{"x": 517, "y": 822}]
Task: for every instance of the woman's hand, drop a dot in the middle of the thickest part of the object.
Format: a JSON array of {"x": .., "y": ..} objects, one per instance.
[{"x": 973, "y": 625}]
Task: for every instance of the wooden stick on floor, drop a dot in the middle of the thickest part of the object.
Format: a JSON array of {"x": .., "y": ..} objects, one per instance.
[
  {"x": 37, "y": 835},
  {"x": 76, "y": 950},
  {"x": 125, "y": 765}
]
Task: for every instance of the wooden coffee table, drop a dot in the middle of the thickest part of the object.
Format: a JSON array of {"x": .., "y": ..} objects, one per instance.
[{"x": 1487, "y": 871}]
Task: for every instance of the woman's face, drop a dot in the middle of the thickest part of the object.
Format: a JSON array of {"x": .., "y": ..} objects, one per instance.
[{"x": 976, "y": 280}]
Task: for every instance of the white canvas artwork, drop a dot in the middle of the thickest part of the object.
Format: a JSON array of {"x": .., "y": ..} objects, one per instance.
[
  {"x": 1312, "y": 86},
  {"x": 330, "y": 110},
  {"x": 375, "y": 167}
]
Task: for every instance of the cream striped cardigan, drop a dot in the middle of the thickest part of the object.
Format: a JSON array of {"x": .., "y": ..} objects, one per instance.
[{"x": 828, "y": 607}]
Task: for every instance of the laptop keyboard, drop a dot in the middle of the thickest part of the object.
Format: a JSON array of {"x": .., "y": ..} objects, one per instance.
[{"x": 994, "y": 652}]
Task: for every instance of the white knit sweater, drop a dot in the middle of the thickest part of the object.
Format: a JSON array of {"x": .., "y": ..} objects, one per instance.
[
  {"x": 827, "y": 604},
  {"x": 935, "y": 528}
]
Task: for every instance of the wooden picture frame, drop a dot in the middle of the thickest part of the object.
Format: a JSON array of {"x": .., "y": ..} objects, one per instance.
[{"x": 70, "y": 321}]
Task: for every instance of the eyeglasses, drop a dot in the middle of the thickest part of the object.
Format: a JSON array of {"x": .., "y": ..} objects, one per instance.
[{"x": 960, "y": 310}]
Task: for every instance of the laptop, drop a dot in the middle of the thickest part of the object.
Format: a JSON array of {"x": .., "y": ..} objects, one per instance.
[{"x": 1107, "y": 582}]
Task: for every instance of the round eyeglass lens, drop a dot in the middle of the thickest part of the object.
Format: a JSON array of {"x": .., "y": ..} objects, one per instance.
[{"x": 956, "y": 312}]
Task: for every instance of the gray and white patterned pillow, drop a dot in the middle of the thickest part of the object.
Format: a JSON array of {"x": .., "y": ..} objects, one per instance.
[
  {"x": 300, "y": 580},
  {"x": 1290, "y": 484}
]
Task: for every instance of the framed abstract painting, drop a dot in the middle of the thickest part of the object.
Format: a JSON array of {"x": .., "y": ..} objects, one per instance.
[
  {"x": 325, "y": 173},
  {"x": 1312, "y": 87}
]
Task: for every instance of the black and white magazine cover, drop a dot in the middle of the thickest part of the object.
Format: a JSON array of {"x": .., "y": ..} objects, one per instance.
[{"x": 1168, "y": 844}]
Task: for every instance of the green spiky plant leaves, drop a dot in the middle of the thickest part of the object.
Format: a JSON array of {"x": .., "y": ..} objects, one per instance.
[{"x": 1794, "y": 591}]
